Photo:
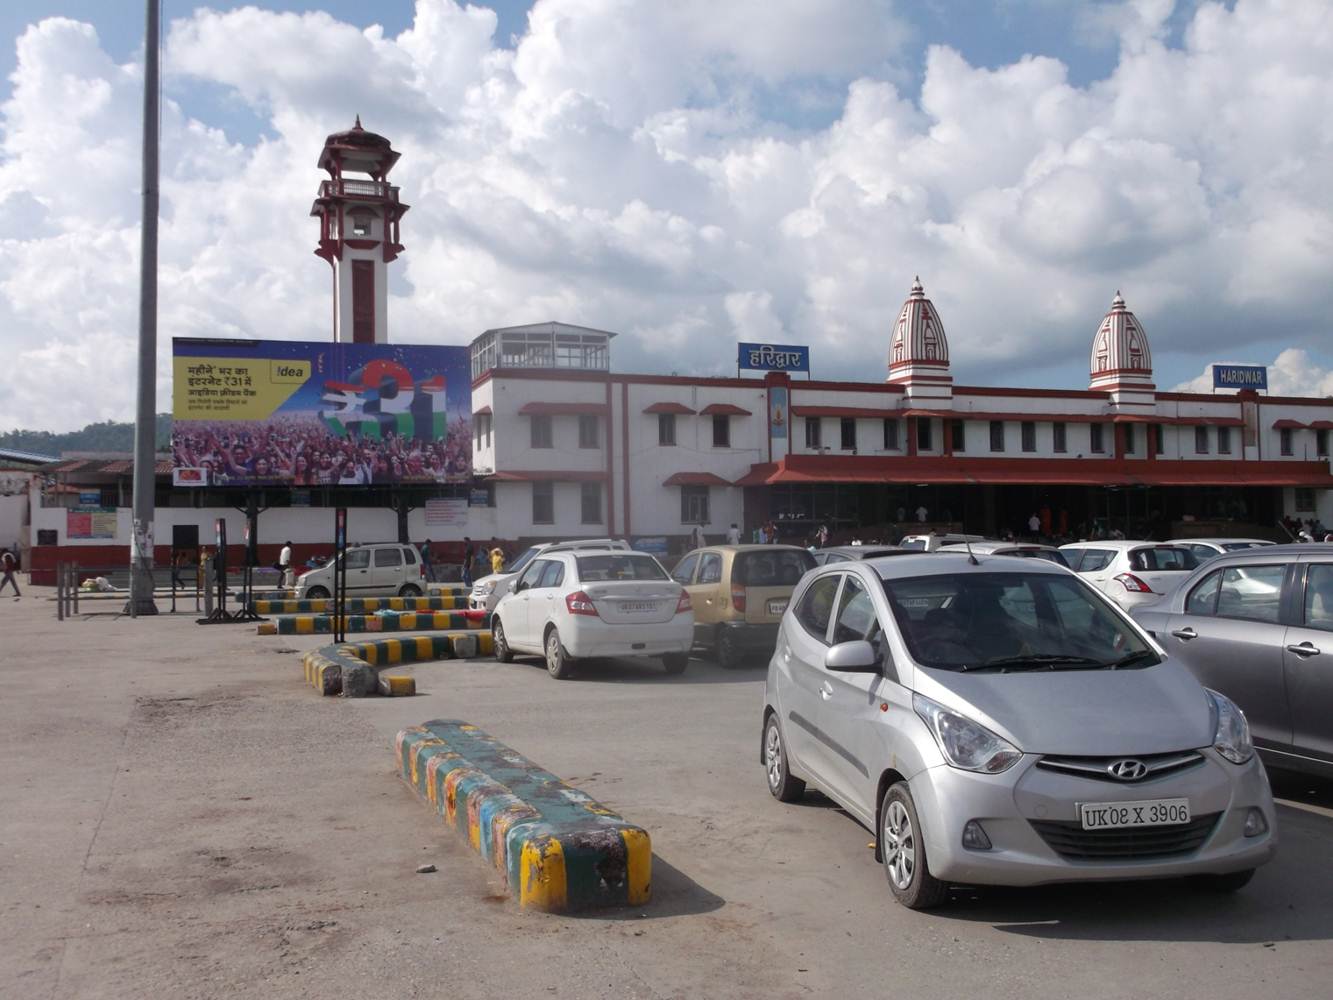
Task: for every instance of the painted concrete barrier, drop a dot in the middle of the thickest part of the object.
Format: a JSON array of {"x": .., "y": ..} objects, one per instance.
[
  {"x": 558, "y": 848},
  {"x": 359, "y": 605},
  {"x": 393, "y": 621},
  {"x": 354, "y": 669}
]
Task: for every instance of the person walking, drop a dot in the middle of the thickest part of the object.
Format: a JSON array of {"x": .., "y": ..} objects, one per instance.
[
  {"x": 1034, "y": 526},
  {"x": 177, "y": 564},
  {"x": 733, "y": 534},
  {"x": 821, "y": 536},
  {"x": 697, "y": 539},
  {"x": 426, "y": 563},
  {"x": 467, "y": 562},
  {"x": 285, "y": 565},
  {"x": 9, "y": 564},
  {"x": 497, "y": 560}
]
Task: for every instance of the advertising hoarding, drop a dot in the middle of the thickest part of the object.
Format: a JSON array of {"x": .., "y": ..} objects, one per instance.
[{"x": 314, "y": 413}]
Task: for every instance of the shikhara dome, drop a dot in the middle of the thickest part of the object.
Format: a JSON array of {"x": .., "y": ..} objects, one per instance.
[
  {"x": 1120, "y": 346},
  {"x": 918, "y": 336}
]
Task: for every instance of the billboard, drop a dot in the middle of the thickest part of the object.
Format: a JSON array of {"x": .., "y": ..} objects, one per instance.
[
  {"x": 315, "y": 413},
  {"x": 1240, "y": 377}
]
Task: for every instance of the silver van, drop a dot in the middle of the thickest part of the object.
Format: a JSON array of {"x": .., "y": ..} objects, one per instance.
[
  {"x": 382, "y": 569},
  {"x": 995, "y": 720}
]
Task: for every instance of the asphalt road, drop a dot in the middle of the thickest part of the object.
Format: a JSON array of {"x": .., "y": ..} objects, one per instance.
[{"x": 181, "y": 816}]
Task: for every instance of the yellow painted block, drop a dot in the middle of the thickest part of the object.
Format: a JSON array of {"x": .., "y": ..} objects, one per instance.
[
  {"x": 407, "y": 621},
  {"x": 425, "y": 648},
  {"x": 638, "y": 866},
  {"x": 369, "y": 653},
  {"x": 393, "y": 651},
  {"x": 542, "y": 883},
  {"x": 268, "y": 628},
  {"x": 305, "y": 626},
  {"x": 485, "y": 647},
  {"x": 317, "y": 606},
  {"x": 372, "y": 604},
  {"x": 398, "y": 686}
]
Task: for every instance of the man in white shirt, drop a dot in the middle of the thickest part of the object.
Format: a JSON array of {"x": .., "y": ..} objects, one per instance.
[
  {"x": 733, "y": 535},
  {"x": 922, "y": 514},
  {"x": 285, "y": 565},
  {"x": 697, "y": 539}
]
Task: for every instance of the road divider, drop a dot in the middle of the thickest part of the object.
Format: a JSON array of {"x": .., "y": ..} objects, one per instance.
[
  {"x": 388, "y": 621},
  {"x": 355, "y": 669},
  {"x": 359, "y": 605},
  {"x": 558, "y": 848}
]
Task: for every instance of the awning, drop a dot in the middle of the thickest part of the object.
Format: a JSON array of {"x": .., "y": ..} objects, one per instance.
[
  {"x": 677, "y": 408},
  {"x": 758, "y": 474},
  {"x": 1321, "y": 425},
  {"x": 864, "y": 412},
  {"x": 561, "y": 409},
  {"x": 485, "y": 411},
  {"x": 724, "y": 410},
  {"x": 1288, "y": 425},
  {"x": 694, "y": 479},
  {"x": 556, "y": 476}
]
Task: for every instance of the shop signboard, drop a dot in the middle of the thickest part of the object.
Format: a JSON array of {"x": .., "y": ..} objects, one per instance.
[
  {"x": 773, "y": 357},
  {"x": 82, "y": 523},
  {"x": 446, "y": 512},
  {"x": 1240, "y": 377}
]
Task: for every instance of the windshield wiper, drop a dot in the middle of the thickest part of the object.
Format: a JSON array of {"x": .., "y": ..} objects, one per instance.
[
  {"x": 1036, "y": 661},
  {"x": 1130, "y": 658}
]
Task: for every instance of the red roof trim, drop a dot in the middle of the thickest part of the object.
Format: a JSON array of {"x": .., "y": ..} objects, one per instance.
[
  {"x": 1321, "y": 425},
  {"x": 844, "y": 411},
  {"x": 540, "y": 409},
  {"x": 678, "y": 408},
  {"x": 565, "y": 476},
  {"x": 724, "y": 410},
  {"x": 1288, "y": 425},
  {"x": 482, "y": 412},
  {"x": 694, "y": 479}
]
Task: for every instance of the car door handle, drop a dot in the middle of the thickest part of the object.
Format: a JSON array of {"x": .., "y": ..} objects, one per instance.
[
  {"x": 1303, "y": 649},
  {"x": 826, "y": 691},
  {"x": 1186, "y": 633}
]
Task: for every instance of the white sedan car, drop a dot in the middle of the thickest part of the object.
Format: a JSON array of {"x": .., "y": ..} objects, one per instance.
[
  {"x": 568, "y": 606},
  {"x": 1131, "y": 573}
]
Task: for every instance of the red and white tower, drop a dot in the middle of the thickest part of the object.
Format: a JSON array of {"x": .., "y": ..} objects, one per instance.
[
  {"x": 358, "y": 231},
  {"x": 919, "y": 351},
  {"x": 1121, "y": 361}
]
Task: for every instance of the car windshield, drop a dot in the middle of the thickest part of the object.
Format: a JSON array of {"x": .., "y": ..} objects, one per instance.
[
  {"x": 1162, "y": 558},
  {"x": 1237, "y": 546},
  {"x": 630, "y": 566},
  {"x": 1012, "y": 621},
  {"x": 912, "y": 543},
  {"x": 521, "y": 563},
  {"x": 776, "y": 568}
]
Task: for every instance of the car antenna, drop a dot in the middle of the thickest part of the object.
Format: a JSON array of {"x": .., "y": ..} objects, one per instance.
[{"x": 971, "y": 559}]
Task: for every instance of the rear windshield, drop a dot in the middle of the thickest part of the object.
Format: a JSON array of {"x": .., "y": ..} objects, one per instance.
[
  {"x": 630, "y": 566},
  {"x": 1011, "y": 621},
  {"x": 1050, "y": 556},
  {"x": 912, "y": 543},
  {"x": 780, "y": 568},
  {"x": 1162, "y": 558},
  {"x": 1237, "y": 546}
]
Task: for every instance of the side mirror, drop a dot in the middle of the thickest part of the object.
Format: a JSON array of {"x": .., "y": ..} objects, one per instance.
[
  {"x": 856, "y": 657},
  {"x": 520, "y": 587}
]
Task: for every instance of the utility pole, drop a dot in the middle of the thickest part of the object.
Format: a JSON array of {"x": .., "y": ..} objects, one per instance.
[{"x": 145, "y": 425}]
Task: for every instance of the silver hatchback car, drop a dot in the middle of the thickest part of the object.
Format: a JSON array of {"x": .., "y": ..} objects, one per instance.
[{"x": 997, "y": 721}]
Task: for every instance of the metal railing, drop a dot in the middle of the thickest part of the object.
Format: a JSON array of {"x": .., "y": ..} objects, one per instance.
[{"x": 358, "y": 188}]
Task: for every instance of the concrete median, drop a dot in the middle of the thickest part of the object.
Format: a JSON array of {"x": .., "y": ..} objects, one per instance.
[
  {"x": 355, "y": 669},
  {"x": 558, "y": 848},
  {"x": 359, "y": 605},
  {"x": 391, "y": 621}
]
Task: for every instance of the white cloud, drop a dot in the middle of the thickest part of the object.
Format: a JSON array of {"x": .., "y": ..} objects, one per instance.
[{"x": 632, "y": 166}]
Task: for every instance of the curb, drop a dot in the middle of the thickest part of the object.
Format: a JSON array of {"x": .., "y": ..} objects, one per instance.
[
  {"x": 391, "y": 621},
  {"x": 358, "y": 605},
  {"x": 558, "y": 848},
  {"x": 353, "y": 669}
]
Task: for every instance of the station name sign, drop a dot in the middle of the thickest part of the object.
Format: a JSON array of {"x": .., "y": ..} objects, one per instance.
[
  {"x": 774, "y": 358},
  {"x": 1240, "y": 377}
]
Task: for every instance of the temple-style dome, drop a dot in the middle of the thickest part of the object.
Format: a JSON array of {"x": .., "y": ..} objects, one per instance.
[
  {"x": 1120, "y": 349},
  {"x": 359, "y": 150},
  {"x": 918, "y": 337}
]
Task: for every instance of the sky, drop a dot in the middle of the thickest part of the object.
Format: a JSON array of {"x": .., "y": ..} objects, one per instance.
[{"x": 687, "y": 174}]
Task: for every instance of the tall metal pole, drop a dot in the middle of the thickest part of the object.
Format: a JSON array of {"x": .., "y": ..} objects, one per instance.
[{"x": 145, "y": 425}]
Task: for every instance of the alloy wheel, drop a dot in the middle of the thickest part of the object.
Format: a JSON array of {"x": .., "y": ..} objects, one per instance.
[
  {"x": 899, "y": 845},
  {"x": 773, "y": 756}
]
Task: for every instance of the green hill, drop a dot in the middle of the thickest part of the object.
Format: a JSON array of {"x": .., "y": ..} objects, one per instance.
[{"x": 109, "y": 435}]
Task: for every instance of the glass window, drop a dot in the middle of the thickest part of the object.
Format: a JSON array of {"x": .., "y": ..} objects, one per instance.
[
  {"x": 816, "y": 606},
  {"x": 1059, "y": 442},
  {"x": 1224, "y": 440},
  {"x": 592, "y": 503},
  {"x": 710, "y": 568},
  {"x": 554, "y": 574},
  {"x": 410, "y": 557},
  {"x": 666, "y": 429},
  {"x": 1029, "y": 435},
  {"x": 388, "y": 557},
  {"x": 1011, "y": 621},
  {"x": 1319, "y": 597},
  {"x": 684, "y": 571},
  {"x": 1321, "y": 443},
  {"x": 958, "y": 435},
  {"x": 890, "y": 434},
  {"x": 543, "y": 503},
  {"x": 848, "y": 429},
  {"x": 694, "y": 505},
  {"x": 856, "y": 614},
  {"x": 814, "y": 427},
  {"x": 1284, "y": 437},
  {"x": 924, "y": 436},
  {"x": 1202, "y": 552},
  {"x": 588, "y": 431},
  {"x": 358, "y": 558},
  {"x": 1095, "y": 559},
  {"x": 1201, "y": 440},
  {"x": 1097, "y": 438},
  {"x": 1304, "y": 497},
  {"x": 997, "y": 435},
  {"x": 721, "y": 430},
  {"x": 772, "y": 568},
  {"x": 1162, "y": 557},
  {"x": 1202, "y": 600},
  {"x": 1128, "y": 437},
  {"x": 620, "y": 566},
  {"x": 1253, "y": 593},
  {"x": 531, "y": 575},
  {"x": 525, "y": 557},
  {"x": 541, "y": 431}
]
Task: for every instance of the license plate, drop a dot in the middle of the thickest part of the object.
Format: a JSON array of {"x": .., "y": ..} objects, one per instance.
[
  {"x": 777, "y": 606},
  {"x": 1148, "y": 812},
  {"x": 631, "y": 607}
]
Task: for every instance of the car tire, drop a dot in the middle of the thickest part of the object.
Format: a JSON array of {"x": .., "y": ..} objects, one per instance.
[
  {"x": 781, "y": 784},
  {"x": 1229, "y": 882},
  {"x": 904, "y": 851},
  {"x": 558, "y": 663},
  {"x": 675, "y": 663},
  {"x": 317, "y": 594},
  {"x": 725, "y": 651},
  {"x": 499, "y": 644},
  {"x": 409, "y": 590}
]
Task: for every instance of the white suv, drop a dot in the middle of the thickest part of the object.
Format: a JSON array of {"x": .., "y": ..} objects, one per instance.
[
  {"x": 488, "y": 590},
  {"x": 384, "y": 569}
]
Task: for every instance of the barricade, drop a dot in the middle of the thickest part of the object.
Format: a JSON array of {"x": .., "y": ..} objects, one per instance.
[
  {"x": 353, "y": 669},
  {"x": 357, "y": 605},
  {"x": 558, "y": 848},
  {"x": 393, "y": 621}
]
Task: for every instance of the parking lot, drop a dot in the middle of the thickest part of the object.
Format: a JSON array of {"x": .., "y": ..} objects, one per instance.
[{"x": 180, "y": 815}]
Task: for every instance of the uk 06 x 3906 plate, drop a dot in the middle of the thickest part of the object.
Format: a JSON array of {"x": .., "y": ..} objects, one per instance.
[
  {"x": 777, "y": 606},
  {"x": 1121, "y": 815}
]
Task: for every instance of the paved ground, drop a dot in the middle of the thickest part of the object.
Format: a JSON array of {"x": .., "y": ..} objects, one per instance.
[{"x": 181, "y": 817}]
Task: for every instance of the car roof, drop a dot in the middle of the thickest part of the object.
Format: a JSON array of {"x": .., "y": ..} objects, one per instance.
[
  {"x": 1122, "y": 545},
  {"x": 1309, "y": 551},
  {"x": 990, "y": 547},
  {"x": 943, "y": 563},
  {"x": 1220, "y": 541},
  {"x": 859, "y": 551}
]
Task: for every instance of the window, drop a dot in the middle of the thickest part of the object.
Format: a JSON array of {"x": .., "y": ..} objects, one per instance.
[
  {"x": 890, "y": 434},
  {"x": 1251, "y": 593},
  {"x": 592, "y": 503},
  {"x": 666, "y": 429},
  {"x": 1284, "y": 437},
  {"x": 813, "y": 428},
  {"x": 710, "y": 568},
  {"x": 358, "y": 558},
  {"x": 1094, "y": 560},
  {"x": 1224, "y": 440},
  {"x": 1321, "y": 443},
  {"x": 694, "y": 505},
  {"x": 588, "y": 431},
  {"x": 721, "y": 430},
  {"x": 554, "y": 575},
  {"x": 924, "y": 435},
  {"x": 1304, "y": 497},
  {"x": 1202, "y": 600},
  {"x": 481, "y": 426},
  {"x": 848, "y": 429},
  {"x": 997, "y": 435},
  {"x": 388, "y": 557},
  {"x": 1129, "y": 438},
  {"x": 816, "y": 607},
  {"x": 410, "y": 557},
  {"x": 1319, "y": 597},
  {"x": 1201, "y": 440},
  {"x": 684, "y": 571},
  {"x": 1059, "y": 441},
  {"x": 361, "y": 222},
  {"x": 541, "y": 431},
  {"x": 1158, "y": 440},
  {"x": 1097, "y": 438},
  {"x": 531, "y": 575},
  {"x": 543, "y": 503},
  {"x": 1162, "y": 558},
  {"x": 958, "y": 437},
  {"x": 771, "y": 567},
  {"x": 856, "y": 614},
  {"x": 620, "y": 566},
  {"x": 1029, "y": 429}
]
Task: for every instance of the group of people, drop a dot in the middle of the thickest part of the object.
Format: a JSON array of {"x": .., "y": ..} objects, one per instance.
[
  {"x": 1309, "y": 530},
  {"x": 478, "y": 560},
  {"x": 304, "y": 451}
]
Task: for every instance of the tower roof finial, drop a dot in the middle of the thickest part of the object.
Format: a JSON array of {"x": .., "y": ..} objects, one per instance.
[{"x": 357, "y": 126}]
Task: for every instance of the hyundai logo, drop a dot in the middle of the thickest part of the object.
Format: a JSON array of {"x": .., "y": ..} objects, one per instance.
[{"x": 1128, "y": 769}]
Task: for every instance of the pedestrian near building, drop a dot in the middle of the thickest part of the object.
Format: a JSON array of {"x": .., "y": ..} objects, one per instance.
[
  {"x": 1034, "y": 526},
  {"x": 821, "y": 536},
  {"x": 426, "y": 565},
  {"x": 178, "y": 562},
  {"x": 285, "y": 565},
  {"x": 9, "y": 564},
  {"x": 922, "y": 514},
  {"x": 733, "y": 534},
  {"x": 467, "y": 561},
  {"x": 497, "y": 560},
  {"x": 697, "y": 539}
]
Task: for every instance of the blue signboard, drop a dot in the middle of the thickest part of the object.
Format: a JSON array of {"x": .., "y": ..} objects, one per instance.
[
  {"x": 773, "y": 357},
  {"x": 1240, "y": 377}
]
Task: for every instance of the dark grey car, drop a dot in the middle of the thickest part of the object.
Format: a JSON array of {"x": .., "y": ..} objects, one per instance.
[{"x": 1257, "y": 625}]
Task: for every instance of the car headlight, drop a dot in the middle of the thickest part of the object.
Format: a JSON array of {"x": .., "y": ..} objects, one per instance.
[
  {"x": 964, "y": 743},
  {"x": 487, "y": 587},
  {"x": 1231, "y": 737}
]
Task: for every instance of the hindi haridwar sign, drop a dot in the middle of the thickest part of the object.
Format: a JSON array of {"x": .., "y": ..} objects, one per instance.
[{"x": 774, "y": 357}]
